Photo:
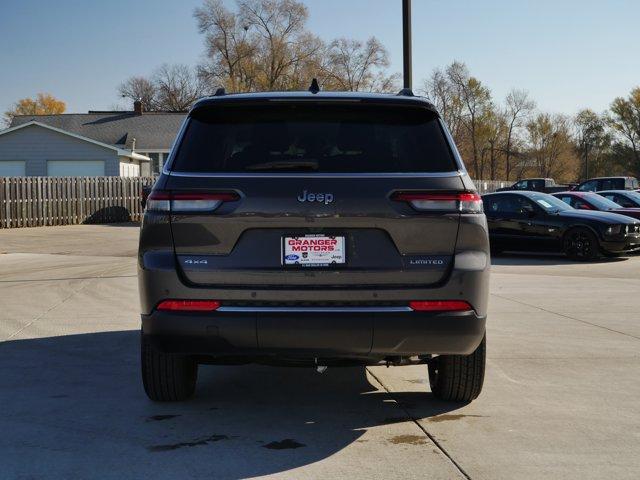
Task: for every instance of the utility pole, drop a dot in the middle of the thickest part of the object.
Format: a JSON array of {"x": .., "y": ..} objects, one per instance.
[{"x": 406, "y": 42}]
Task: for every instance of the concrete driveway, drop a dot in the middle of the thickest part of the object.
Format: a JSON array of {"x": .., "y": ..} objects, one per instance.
[{"x": 560, "y": 398}]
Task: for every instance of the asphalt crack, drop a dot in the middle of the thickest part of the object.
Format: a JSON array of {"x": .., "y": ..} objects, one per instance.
[
  {"x": 73, "y": 293},
  {"x": 565, "y": 316},
  {"x": 438, "y": 445}
]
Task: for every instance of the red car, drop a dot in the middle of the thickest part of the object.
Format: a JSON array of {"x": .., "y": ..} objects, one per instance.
[{"x": 593, "y": 201}]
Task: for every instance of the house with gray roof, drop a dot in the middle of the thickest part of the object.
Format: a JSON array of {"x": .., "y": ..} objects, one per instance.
[{"x": 116, "y": 143}]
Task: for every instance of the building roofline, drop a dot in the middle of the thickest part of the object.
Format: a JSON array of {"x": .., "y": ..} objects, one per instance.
[
  {"x": 102, "y": 112},
  {"x": 120, "y": 151}
]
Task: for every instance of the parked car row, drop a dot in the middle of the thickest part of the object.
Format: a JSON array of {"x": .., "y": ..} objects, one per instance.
[
  {"x": 596, "y": 202},
  {"x": 608, "y": 183},
  {"x": 582, "y": 225},
  {"x": 625, "y": 198},
  {"x": 548, "y": 185}
]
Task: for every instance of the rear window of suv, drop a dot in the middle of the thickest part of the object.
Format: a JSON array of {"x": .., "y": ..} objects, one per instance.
[{"x": 313, "y": 138}]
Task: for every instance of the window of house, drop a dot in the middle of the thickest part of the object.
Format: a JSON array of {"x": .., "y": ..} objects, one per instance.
[
  {"x": 163, "y": 159},
  {"x": 155, "y": 162}
]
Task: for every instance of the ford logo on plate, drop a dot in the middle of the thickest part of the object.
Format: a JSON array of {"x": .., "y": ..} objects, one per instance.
[{"x": 292, "y": 257}]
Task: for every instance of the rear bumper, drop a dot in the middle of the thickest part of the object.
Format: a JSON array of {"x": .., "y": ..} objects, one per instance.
[
  {"x": 337, "y": 333},
  {"x": 337, "y": 330}
]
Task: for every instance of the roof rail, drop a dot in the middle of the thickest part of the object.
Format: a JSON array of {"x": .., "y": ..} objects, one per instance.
[
  {"x": 315, "y": 87},
  {"x": 406, "y": 92},
  {"x": 220, "y": 92}
]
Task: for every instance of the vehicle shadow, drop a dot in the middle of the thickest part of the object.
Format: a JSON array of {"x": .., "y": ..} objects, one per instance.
[
  {"x": 73, "y": 406},
  {"x": 541, "y": 259},
  {"x": 106, "y": 215}
]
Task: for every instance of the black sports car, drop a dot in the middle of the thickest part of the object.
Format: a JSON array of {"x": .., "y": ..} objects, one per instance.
[{"x": 534, "y": 221}]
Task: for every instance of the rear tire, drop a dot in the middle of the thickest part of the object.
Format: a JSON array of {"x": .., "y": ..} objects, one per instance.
[
  {"x": 166, "y": 377},
  {"x": 581, "y": 244},
  {"x": 458, "y": 378}
]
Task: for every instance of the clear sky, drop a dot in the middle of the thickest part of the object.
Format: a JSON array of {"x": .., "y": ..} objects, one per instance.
[{"x": 568, "y": 54}]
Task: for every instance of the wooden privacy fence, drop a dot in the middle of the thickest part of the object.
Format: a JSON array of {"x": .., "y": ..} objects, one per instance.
[{"x": 39, "y": 201}]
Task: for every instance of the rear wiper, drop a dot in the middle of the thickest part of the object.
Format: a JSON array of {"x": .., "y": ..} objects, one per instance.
[{"x": 284, "y": 165}]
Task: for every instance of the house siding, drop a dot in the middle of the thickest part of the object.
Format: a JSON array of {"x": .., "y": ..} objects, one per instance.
[{"x": 35, "y": 145}]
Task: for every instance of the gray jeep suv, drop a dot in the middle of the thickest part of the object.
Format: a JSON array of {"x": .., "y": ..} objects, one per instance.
[{"x": 314, "y": 229}]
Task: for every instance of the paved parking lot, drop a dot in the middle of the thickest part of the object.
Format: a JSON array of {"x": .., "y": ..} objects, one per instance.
[{"x": 561, "y": 398}]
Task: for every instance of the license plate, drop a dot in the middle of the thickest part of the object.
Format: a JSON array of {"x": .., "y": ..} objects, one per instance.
[{"x": 313, "y": 250}]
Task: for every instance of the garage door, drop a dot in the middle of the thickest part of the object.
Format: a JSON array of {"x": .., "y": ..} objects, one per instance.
[
  {"x": 11, "y": 168},
  {"x": 75, "y": 168}
]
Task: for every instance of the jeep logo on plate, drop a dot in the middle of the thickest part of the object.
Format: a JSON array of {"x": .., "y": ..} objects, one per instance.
[{"x": 325, "y": 198}]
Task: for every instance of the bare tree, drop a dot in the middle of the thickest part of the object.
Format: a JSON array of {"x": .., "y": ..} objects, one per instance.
[
  {"x": 229, "y": 48},
  {"x": 492, "y": 130},
  {"x": 518, "y": 108},
  {"x": 353, "y": 65},
  {"x": 139, "y": 89},
  {"x": 171, "y": 88},
  {"x": 625, "y": 122},
  {"x": 309, "y": 52},
  {"x": 443, "y": 94},
  {"x": 280, "y": 28},
  {"x": 476, "y": 101},
  {"x": 593, "y": 140},
  {"x": 265, "y": 45},
  {"x": 177, "y": 87},
  {"x": 550, "y": 145}
]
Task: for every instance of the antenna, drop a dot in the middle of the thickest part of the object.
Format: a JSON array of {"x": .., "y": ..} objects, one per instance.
[
  {"x": 220, "y": 92},
  {"x": 406, "y": 42},
  {"x": 315, "y": 87}
]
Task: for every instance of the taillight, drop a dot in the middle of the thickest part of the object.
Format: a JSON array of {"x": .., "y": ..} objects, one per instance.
[
  {"x": 188, "y": 305},
  {"x": 200, "y": 202},
  {"x": 463, "y": 202},
  {"x": 440, "y": 306},
  {"x": 158, "y": 202},
  {"x": 188, "y": 202}
]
